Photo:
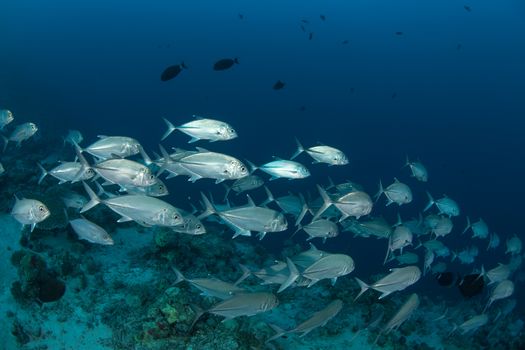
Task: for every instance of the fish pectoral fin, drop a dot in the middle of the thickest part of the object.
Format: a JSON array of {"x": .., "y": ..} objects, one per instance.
[
  {"x": 193, "y": 139},
  {"x": 385, "y": 294},
  {"x": 124, "y": 219},
  {"x": 218, "y": 181},
  {"x": 274, "y": 178}
]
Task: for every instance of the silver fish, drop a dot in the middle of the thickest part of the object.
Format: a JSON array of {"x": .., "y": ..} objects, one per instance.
[
  {"x": 479, "y": 228},
  {"x": 418, "y": 170},
  {"x": 497, "y": 274},
  {"x": 400, "y": 238},
  {"x": 147, "y": 211},
  {"x": 398, "y": 279},
  {"x": 158, "y": 189},
  {"x": 2, "y": 170},
  {"x": 320, "y": 228},
  {"x": 289, "y": 204},
  {"x": 212, "y": 287},
  {"x": 403, "y": 314},
  {"x": 29, "y": 212},
  {"x": 377, "y": 227},
  {"x": 467, "y": 255},
  {"x": 442, "y": 226},
  {"x": 73, "y": 137},
  {"x": 191, "y": 225},
  {"x": 514, "y": 245},
  {"x": 74, "y": 200},
  {"x": 249, "y": 218},
  {"x": 203, "y": 129},
  {"x": 21, "y": 133},
  {"x": 322, "y": 154},
  {"x": 308, "y": 257},
  {"x": 503, "y": 289},
  {"x": 67, "y": 172},
  {"x": 281, "y": 168},
  {"x": 397, "y": 192},
  {"x": 212, "y": 165},
  {"x": 115, "y": 146},
  {"x": 125, "y": 172},
  {"x": 445, "y": 205},
  {"x": 274, "y": 274},
  {"x": 244, "y": 184},
  {"x": 331, "y": 267},
  {"x": 406, "y": 258},
  {"x": 169, "y": 163},
  {"x": 354, "y": 204},
  {"x": 472, "y": 324},
  {"x": 318, "y": 319},
  {"x": 6, "y": 117},
  {"x": 494, "y": 241},
  {"x": 243, "y": 304},
  {"x": 90, "y": 231}
]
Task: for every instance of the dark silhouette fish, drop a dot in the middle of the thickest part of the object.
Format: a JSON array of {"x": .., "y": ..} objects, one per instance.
[
  {"x": 459, "y": 47},
  {"x": 471, "y": 285},
  {"x": 345, "y": 42},
  {"x": 241, "y": 16},
  {"x": 399, "y": 33},
  {"x": 394, "y": 95},
  {"x": 467, "y": 8},
  {"x": 310, "y": 36},
  {"x": 305, "y": 21},
  {"x": 225, "y": 63},
  {"x": 445, "y": 279},
  {"x": 303, "y": 28},
  {"x": 302, "y": 108},
  {"x": 172, "y": 71},
  {"x": 278, "y": 85},
  {"x": 323, "y": 17}
]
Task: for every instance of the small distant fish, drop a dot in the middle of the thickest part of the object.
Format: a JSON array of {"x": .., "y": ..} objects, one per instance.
[
  {"x": 90, "y": 231},
  {"x": 479, "y": 228},
  {"x": 66, "y": 172},
  {"x": 354, "y": 204},
  {"x": 310, "y": 35},
  {"x": 418, "y": 170},
  {"x": 244, "y": 184},
  {"x": 346, "y": 41},
  {"x": 242, "y": 304},
  {"x": 320, "y": 228},
  {"x": 6, "y": 117},
  {"x": 305, "y": 21},
  {"x": 323, "y": 17},
  {"x": 29, "y": 212},
  {"x": 203, "y": 129},
  {"x": 331, "y": 267},
  {"x": 225, "y": 63},
  {"x": 401, "y": 315},
  {"x": 281, "y": 168},
  {"x": 398, "y": 279},
  {"x": 397, "y": 192},
  {"x": 278, "y": 85},
  {"x": 241, "y": 16},
  {"x": 472, "y": 324},
  {"x": 115, "y": 146},
  {"x": 497, "y": 274},
  {"x": 514, "y": 245},
  {"x": 318, "y": 319},
  {"x": 494, "y": 241},
  {"x": 459, "y": 46},
  {"x": 322, "y": 154},
  {"x": 467, "y": 8},
  {"x": 399, "y": 33},
  {"x": 172, "y": 71},
  {"x": 73, "y": 137},
  {"x": 21, "y": 133},
  {"x": 212, "y": 287},
  {"x": 445, "y": 205}
]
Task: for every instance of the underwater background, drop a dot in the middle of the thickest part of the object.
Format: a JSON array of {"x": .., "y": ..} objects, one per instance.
[{"x": 438, "y": 81}]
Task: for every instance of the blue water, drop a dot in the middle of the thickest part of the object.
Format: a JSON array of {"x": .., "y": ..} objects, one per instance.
[{"x": 450, "y": 90}]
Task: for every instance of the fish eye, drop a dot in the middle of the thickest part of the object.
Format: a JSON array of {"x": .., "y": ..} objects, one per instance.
[
  {"x": 198, "y": 226},
  {"x": 243, "y": 169},
  {"x": 151, "y": 177},
  {"x": 231, "y": 130},
  {"x": 41, "y": 208},
  {"x": 176, "y": 216},
  {"x": 161, "y": 187}
]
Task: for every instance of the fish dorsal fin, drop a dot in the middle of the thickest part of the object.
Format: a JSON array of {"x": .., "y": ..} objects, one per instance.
[
  {"x": 396, "y": 180},
  {"x": 277, "y": 158},
  {"x": 250, "y": 201},
  {"x": 102, "y": 136},
  {"x": 197, "y": 117},
  {"x": 201, "y": 149}
]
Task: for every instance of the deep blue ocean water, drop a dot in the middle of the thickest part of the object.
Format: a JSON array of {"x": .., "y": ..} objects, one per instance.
[{"x": 449, "y": 90}]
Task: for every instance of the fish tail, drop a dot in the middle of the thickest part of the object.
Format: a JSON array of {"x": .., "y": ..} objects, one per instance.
[
  {"x": 43, "y": 171},
  {"x": 252, "y": 166},
  {"x": 327, "y": 202},
  {"x": 300, "y": 218},
  {"x": 166, "y": 160},
  {"x": 180, "y": 276},
  {"x": 292, "y": 277},
  {"x": 94, "y": 200},
  {"x": 236, "y": 60},
  {"x": 171, "y": 128},
  {"x": 380, "y": 191},
  {"x": 388, "y": 249},
  {"x": 209, "y": 208},
  {"x": 183, "y": 65},
  {"x": 228, "y": 190},
  {"x": 279, "y": 332},
  {"x": 246, "y": 272},
  {"x": 430, "y": 201},
  {"x": 364, "y": 287},
  {"x": 331, "y": 184},
  {"x": 84, "y": 164},
  {"x": 198, "y": 314},
  {"x": 144, "y": 155},
  {"x": 269, "y": 197},
  {"x": 468, "y": 226},
  {"x": 300, "y": 149}
]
